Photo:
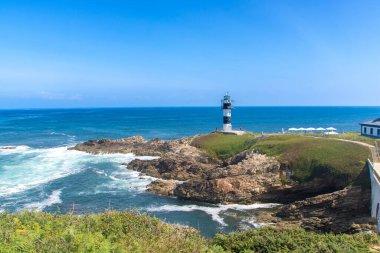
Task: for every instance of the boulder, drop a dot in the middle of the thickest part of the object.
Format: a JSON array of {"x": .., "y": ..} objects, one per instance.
[{"x": 162, "y": 187}]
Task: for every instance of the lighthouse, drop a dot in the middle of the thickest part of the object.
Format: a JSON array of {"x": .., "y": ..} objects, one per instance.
[{"x": 227, "y": 107}]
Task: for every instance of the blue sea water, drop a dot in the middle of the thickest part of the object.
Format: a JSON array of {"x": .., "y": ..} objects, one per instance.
[{"x": 41, "y": 174}]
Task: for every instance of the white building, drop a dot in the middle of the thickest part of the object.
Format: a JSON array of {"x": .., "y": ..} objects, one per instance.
[
  {"x": 375, "y": 192},
  {"x": 371, "y": 128}
]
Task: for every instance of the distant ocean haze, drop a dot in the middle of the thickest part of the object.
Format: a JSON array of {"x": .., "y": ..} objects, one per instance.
[{"x": 41, "y": 174}]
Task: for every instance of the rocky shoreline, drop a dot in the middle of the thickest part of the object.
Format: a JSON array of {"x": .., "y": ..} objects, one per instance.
[
  {"x": 186, "y": 172},
  {"x": 344, "y": 211}
]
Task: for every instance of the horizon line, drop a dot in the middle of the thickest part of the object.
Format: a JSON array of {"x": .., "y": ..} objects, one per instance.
[{"x": 179, "y": 106}]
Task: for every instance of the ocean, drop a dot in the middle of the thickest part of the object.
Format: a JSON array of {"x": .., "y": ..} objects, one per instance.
[{"x": 41, "y": 174}]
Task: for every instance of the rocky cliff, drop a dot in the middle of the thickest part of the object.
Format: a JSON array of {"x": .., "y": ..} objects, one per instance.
[
  {"x": 343, "y": 211},
  {"x": 187, "y": 172},
  {"x": 244, "y": 178}
]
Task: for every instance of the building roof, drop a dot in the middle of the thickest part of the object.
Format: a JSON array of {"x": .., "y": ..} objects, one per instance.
[{"x": 375, "y": 122}]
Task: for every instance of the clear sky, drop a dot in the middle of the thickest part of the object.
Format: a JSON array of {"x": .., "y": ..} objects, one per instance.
[{"x": 79, "y": 53}]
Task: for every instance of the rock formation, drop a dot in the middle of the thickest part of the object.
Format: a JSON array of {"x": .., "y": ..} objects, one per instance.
[
  {"x": 136, "y": 145},
  {"x": 163, "y": 187},
  {"x": 187, "y": 172},
  {"x": 239, "y": 180},
  {"x": 344, "y": 211}
]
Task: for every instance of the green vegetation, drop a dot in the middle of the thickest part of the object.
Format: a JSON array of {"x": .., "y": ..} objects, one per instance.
[
  {"x": 353, "y": 136},
  {"x": 223, "y": 146},
  {"x": 129, "y": 232},
  {"x": 294, "y": 240},
  {"x": 106, "y": 232},
  {"x": 311, "y": 157},
  {"x": 308, "y": 157}
]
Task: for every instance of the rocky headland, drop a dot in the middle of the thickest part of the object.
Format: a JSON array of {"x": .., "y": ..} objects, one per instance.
[{"x": 187, "y": 172}]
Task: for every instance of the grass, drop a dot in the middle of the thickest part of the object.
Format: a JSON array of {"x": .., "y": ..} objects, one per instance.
[
  {"x": 352, "y": 136},
  {"x": 129, "y": 232},
  {"x": 311, "y": 157},
  {"x": 306, "y": 156},
  {"x": 223, "y": 146}
]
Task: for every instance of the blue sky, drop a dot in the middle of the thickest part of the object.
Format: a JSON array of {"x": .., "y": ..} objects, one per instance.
[{"x": 72, "y": 53}]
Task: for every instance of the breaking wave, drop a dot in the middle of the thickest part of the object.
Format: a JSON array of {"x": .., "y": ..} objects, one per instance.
[
  {"x": 213, "y": 211},
  {"x": 23, "y": 168},
  {"x": 54, "y": 198}
]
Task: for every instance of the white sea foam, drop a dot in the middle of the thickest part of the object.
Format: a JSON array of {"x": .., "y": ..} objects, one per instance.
[
  {"x": 123, "y": 179},
  {"x": 256, "y": 224},
  {"x": 214, "y": 211},
  {"x": 25, "y": 167},
  {"x": 28, "y": 167},
  {"x": 71, "y": 138},
  {"x": 101, "y": 172},
  {"x": 4, "y": 150},
  {"x": 54, "y": 198}
]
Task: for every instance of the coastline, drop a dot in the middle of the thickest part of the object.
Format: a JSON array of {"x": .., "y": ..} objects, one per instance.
[{"x": 185, "y": 171}]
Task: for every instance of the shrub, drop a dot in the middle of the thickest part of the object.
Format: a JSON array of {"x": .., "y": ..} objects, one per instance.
[{"x": 294, "y": 240}]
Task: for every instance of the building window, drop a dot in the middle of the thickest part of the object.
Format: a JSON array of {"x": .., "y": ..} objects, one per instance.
[
  {"x": 378, "y": 132},
  {"x": 365, "y": 130},
  {"x": 371, "y": 131}
]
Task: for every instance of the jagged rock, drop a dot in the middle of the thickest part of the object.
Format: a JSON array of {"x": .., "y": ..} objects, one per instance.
[
  {"x": 245, "y": 178},
  {"x": 238, "y": 182},
  {"x": 181, "y": 161},
  {"x": 136, "y": 145},
  {"x": 8, "y": 147},
  {"x": 245, "y": 163},
  {"x": 171, "y": 166},
  {"x": 344, "y": 211},
  {"x": 162, "y": 187}
]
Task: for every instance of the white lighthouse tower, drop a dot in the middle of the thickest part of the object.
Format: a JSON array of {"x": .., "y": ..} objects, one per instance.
[{"x": 227, "y": 107}]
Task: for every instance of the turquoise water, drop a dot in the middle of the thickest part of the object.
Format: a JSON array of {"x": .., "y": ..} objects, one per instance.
[{"x": 41, "y": 174}]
